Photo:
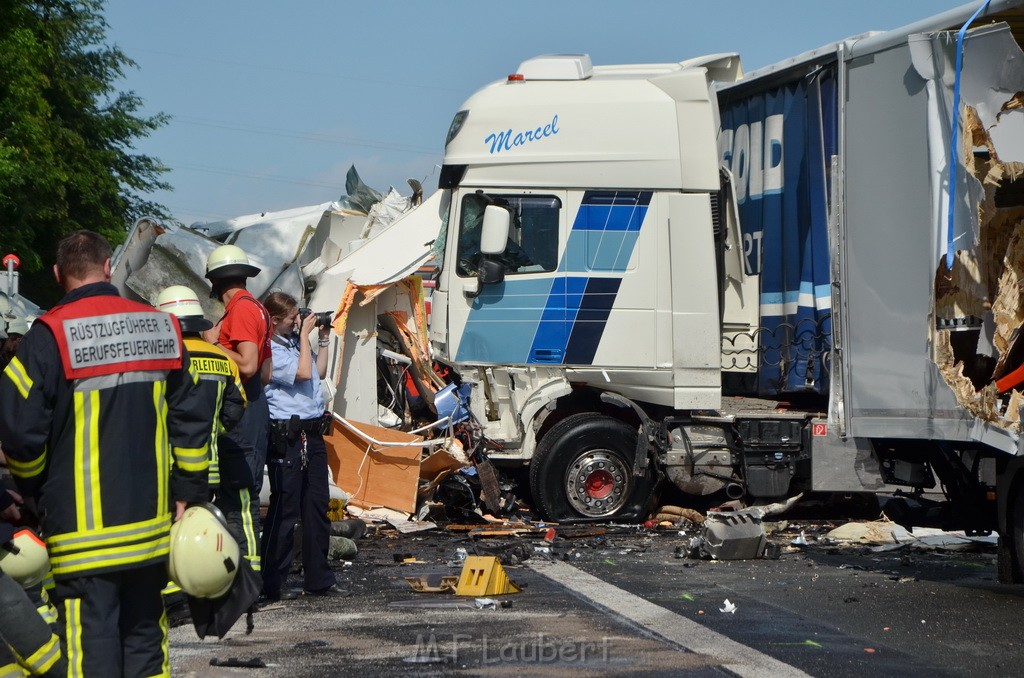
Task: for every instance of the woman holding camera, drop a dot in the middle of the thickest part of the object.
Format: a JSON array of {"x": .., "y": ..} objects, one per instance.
[{"x": 297, "y": 457}]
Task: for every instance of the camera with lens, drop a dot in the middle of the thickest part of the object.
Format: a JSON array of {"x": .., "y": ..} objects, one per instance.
[{"x": 323, "y": 318}]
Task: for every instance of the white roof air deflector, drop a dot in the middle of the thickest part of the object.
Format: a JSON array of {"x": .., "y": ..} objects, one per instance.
[
  {"x": 398, "y": 250},
  {"x": 557, "y": 67}
]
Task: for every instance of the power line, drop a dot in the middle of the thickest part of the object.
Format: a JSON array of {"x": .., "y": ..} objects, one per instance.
[
  {"x": 199, "y": 213},
  {"x": 261, "y": 67},
  {"x": 305, "y": 136},
  {"x": 248, "y": 175}
]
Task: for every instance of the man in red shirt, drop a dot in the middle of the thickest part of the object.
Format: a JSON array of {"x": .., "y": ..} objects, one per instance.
[{"x": 244, "y": 334}]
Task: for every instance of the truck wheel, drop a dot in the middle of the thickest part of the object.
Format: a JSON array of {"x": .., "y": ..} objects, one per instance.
[{"x": 583, "y": 468}]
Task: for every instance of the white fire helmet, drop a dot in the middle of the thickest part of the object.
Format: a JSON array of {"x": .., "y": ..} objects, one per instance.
[
  {"x": 204, "y": 556},
  {"x": 229, "y": 261},
  {"x": 30, "y": 564},
  {"x": 182, "y": 302}
]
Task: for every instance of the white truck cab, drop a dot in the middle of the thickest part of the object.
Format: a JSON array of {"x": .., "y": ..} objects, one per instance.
[{"x": 609, "y": 181}]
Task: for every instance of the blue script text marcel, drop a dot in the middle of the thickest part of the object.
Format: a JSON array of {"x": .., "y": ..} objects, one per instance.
[{"x": 508, "y": 139}]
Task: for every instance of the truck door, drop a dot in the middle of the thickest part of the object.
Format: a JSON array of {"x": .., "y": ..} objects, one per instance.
[
  {"x": 511, "y": 322},
  {"x": 560, "y": 285}
]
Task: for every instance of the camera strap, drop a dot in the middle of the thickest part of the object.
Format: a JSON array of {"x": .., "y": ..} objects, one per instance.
[{"x": 281, "y": 341}]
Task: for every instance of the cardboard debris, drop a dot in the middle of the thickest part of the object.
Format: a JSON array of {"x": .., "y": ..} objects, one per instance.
[
  {"x": 439, "y": 462},
  {"x": 888, "y": 536},
  {"x": 423, "y": 585},
  {"x": 371, "y": 475},
  {"x": 874, "y": 532},
  {"x": 411, "y": 526},
  {"x": 378, "y": 513}
]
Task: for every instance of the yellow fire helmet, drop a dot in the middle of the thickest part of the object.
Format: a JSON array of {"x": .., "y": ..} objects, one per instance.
[
  {"x": 204, "y": 556},
  {"x": 229, "y": 261},
  {"x": 181, "y": 301},
  {"x": 30, "y": 564}
]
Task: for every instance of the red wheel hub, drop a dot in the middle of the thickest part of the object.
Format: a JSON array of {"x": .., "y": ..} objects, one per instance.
[{"x": 600, "y": 484}]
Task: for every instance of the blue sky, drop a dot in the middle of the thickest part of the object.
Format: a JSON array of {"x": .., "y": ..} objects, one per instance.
[{"x": 272, "y": 101}]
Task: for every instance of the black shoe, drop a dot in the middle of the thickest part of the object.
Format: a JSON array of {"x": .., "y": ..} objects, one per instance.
[
  {"x": 332, "y": 591},
  {"x": 283, "y": 594}
]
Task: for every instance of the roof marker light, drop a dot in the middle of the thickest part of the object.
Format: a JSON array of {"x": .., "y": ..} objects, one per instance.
[{"x": 516, "y": 77}]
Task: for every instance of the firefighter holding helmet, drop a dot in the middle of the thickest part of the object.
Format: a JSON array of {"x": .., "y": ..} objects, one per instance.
[
  {"x": 220, "y": 390},
  {"x": 243, "y": 333}
]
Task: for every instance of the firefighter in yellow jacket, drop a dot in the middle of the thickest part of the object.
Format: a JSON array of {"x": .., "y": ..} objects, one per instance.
[
  {"x": 222, "y": 395},
  {"x": 101, "y": 425},
  {"x": 221, "y": 386}
]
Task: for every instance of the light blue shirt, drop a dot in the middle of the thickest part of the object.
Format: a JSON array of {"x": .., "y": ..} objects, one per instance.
[{"x": 286, "y": 396}]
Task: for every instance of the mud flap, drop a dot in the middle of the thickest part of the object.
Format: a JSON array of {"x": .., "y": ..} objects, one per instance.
[{"x": 643, "y": 441}]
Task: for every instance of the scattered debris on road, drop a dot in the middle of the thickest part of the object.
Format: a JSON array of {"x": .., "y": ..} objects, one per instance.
[{"x": 235, "y": 662}]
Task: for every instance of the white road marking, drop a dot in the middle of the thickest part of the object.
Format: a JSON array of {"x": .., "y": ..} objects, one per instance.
[{"x": 738, "y": 658}]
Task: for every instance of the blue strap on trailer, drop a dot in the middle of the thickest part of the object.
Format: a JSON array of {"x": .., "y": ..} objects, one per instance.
[{"x": 954, "y": 133}]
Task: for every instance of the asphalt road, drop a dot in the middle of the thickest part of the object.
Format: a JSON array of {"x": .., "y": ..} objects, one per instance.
[{"x": 625, "y": 604}]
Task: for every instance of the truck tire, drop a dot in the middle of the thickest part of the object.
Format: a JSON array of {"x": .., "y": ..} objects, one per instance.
[{"x": 583, "y": 470}]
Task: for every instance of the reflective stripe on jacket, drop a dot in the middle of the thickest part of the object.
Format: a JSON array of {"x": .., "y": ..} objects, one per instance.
[
  {"x": 222, "y": 392},
  {"x": 109, "y": 448}
]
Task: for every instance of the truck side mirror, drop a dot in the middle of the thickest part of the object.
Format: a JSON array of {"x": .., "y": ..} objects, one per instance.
[
  {"x": 490, "y": 272},
  {"x": 494, "y": 232}
]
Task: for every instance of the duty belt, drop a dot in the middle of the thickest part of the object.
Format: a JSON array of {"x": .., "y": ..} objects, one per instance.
[{"x": 296, "y": 425}]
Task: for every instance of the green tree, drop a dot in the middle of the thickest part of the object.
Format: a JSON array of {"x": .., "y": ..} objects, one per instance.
[{"x": 67, "y": 159}]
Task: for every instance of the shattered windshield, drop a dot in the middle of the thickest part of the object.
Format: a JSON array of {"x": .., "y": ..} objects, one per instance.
[{"x": 532, "y": 245}]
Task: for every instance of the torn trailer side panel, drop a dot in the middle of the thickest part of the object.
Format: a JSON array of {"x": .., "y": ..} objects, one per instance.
[{"x": 910, "y": 355}]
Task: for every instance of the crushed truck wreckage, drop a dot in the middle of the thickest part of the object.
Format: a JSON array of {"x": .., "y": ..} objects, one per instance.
[
  {"x": 436, "y": 468},
  {"x": 512, "y": 310},
  {"x": 313, "y": 253}
]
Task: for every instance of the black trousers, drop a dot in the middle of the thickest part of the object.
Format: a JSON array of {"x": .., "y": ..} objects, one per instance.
[
  {"x": 24, "y": 632},
  {"x": 241, "y": 508},
  {"x": 114, "y": 624},
  {"x": 298, "y": 490},
  {"x": 243, "y": 456}
]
